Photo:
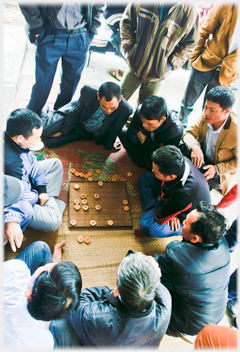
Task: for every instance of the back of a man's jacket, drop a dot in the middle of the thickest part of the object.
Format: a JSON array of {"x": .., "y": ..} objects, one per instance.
[{"x": 197, "y": 278}]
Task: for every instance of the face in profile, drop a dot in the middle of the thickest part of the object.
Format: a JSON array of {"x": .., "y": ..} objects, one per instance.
[{"x": 32, "y": 140}]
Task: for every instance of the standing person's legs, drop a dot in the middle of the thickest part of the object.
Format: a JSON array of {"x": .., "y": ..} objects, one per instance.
[
  {"x": 49, "y": 216},
  {"x": 35, "y": 255},
  {"x": 195, "y": 86},
  {"x": 214, "y": 82},
  {"x": 47, "y": 57},
  {"x": 73, "y": 62},
  {"x": 148, "y": 89},
  {"x": 129, "y": 84}
]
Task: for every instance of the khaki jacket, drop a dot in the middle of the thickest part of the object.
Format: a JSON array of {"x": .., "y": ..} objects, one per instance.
[
  {"x": 150, "y": 45},
  {"x": 225, "y": 150},
  {"x": 211, "y": 52}
]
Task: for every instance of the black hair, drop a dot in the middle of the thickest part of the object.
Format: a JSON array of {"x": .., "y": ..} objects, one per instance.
[
  {"x": 169, "y": 160},
  {"x": 22, "y": 122},
  {"x": 223, "y": 96},
  {"x": 210, "y": 225},
  {"x": 56, "y": 293},
  {"x": 154, "y": 108},
  {"x": 109, "y": 90}
]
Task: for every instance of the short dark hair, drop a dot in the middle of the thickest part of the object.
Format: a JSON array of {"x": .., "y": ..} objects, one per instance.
[
  {"x": 137, "y": 281},
  {"x": 22, "y": 122},
  {"x": 56, "y": 293},
  {"x": 210, "y": 225},
  {"x": 223, "y": 96},
  {"x": 109, "y": 90},
  {"x": 154, "y": 108},
  {"x": 169, "y": 160}
]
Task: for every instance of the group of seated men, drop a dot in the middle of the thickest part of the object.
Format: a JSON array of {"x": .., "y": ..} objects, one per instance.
[{"x": 182, "y": 169}]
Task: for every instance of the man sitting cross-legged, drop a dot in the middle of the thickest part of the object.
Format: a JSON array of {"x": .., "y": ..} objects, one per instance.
[
  {"x": 98, "y": 112},
  {"x": 135, "y": 314},
  {"x": 168, "y": 193},
  {"x": 152, "y": 126},
  {"x": 196, "y": 271},
  {"x": 37, "y": 287},
  {"x": 41, "y": 180},
  {"x": 211, "y": 143}
]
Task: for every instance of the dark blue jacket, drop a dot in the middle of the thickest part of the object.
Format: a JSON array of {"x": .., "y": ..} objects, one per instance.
[{"x": 197, "y": 277}]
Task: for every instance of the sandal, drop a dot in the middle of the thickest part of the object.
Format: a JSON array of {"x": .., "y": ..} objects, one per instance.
[{"x": 118, "y": 74}]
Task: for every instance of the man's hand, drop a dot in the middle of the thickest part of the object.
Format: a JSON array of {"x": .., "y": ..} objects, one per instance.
[
  {"x": 174, "y": 224},
  {"x": 43, "y": 198},
  {"x": 141, "y": 136},
  {"x": 13, "y": 234},
  {"x": 211, "y": 171},
  {"x": 197, "y": 157}
]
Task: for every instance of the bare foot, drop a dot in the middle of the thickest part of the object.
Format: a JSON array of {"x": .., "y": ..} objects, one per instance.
[
  {"x": 57, "y": 252},
  {"x": 58, "y": 134}
]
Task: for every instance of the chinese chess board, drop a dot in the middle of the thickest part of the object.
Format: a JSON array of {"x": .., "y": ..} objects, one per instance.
[{"x": 110, "y": 197}]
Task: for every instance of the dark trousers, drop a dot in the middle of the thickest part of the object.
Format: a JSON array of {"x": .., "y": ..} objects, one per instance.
[
  {"x": 197, "y": 82},
  {"x": 149, "y": 188},
  {"x": 52, "y": 45}
]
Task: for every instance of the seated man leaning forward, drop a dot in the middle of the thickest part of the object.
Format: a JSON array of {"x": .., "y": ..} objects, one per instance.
[
  {"x": 135, "y": 314},
  {"x": 98, "y": 112},
  {"x": 212, "y": 142},
  {"x": 152, "y": 126},
  {"x": 168, "y": 193},
  {"x": 37, "y": 287},
  {"x": 196, "y": 271},
  {"x": 41, "y": 180}
]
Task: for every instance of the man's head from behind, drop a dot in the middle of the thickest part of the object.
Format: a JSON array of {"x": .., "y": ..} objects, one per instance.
[
  {"x": 24, "y": 127},
  {"x": 138, "y": 278},
  {"x": 204, "y": 225},
  {"x": 168, "y": 163},
  {"x": 55, "y": 291},
  {"x": 153, "y": 112},
  {"x": 109, "y": 96}
]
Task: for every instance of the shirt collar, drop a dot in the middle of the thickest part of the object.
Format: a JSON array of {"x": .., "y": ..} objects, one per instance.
[
  {"x": 185, "y": 174},
  {"x": 219, "y": 129}
]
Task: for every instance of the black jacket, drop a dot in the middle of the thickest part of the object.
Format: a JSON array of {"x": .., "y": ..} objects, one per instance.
[
  {"x": 168, "y": 133},
  {"x": 102, "y": 320},
  {"x": 197, "y": 277}
]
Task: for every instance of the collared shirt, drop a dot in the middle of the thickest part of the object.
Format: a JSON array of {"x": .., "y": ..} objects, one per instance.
[
  {"x": 94, "y": 123},
  {"x": 210, "y": 141},
  {"x": 66, "y": 16}
]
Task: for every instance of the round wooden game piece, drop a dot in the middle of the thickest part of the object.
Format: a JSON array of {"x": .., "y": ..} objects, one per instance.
[
  {"x": 81, "y": 174},
  {"x": 125, "y": 201},
  {"x": 130, "y": 187},
  {"x": 114, "y": 179},
  {"x": 89, "y": 173},
  {"x": 73, "y": 222},
  {"x": 90, "y": 179},
  {"x": 123, "y": 179},
  {"x": 85, "y": 176},
  {"x": 100, "y": 183},
  {"x": 92, "y": 222},
  {"x": 76, "y": 186},
  {"x": 76, "y": 201},
  {"x": 76, "y": 173},
  {"x": 87, "y": 240},
  {"x": 110, "y": 175},
  {"x": 80, "y": 239},
  {"x": 83, "y": 196},
  {"x": 76, "y": 206},
  {"x": 98, "y": 171},
  {"x": 97, "y": 207},
  {"x": 110, "y": 222},
  {"x": 84, "y": 201},
  {"x": 129, "y": 174},
  {"x": 85, "y": 207},
  {"x": 115, "y": 176},
  {"x": 73, "y": 171},
  {"x": 96, "y": 196},
  {"x": 126, "y": 208}
]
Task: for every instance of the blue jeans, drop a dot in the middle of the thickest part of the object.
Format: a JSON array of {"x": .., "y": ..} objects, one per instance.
[
  {"x": 53, "y": 44},
  {"x": 197, "y": 82},
  {"x": 35, "y": 255},
  {"x": 150, "y": 189}
]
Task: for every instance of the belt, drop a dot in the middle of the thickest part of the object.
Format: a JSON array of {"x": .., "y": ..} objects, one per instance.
[{"x": 73, "y": 31}]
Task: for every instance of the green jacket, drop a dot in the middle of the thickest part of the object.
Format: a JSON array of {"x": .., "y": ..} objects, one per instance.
[{"x": 150, "y": 44}]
